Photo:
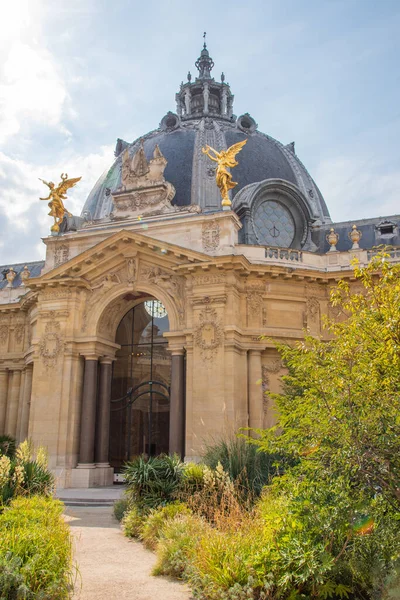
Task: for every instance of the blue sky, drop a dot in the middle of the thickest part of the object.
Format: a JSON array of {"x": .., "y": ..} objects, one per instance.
[{"x": 76, "y": 75}]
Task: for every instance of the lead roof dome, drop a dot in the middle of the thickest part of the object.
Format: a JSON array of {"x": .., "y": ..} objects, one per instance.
[{"x": 204, "y": 115}]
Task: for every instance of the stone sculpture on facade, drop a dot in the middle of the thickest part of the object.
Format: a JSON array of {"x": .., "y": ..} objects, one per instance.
[
  {"x": 332, "y": 239},
  {"x": 11, "y": 275},
  {"x": 144, "y": 189},
  {"x": 355, "y": 236}
]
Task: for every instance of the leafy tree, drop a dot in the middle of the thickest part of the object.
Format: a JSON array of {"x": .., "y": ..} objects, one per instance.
[
  {"x": 340, "y": 410},
  {"x": 339, "y": 415}
]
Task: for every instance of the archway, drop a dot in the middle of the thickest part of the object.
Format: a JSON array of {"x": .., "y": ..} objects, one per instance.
[{"x": 140, "y": 389}]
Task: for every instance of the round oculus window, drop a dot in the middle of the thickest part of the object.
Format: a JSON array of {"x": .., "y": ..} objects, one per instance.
[
  {"x": 155, "y": 309},
  {"x": 274, "y": 224}
]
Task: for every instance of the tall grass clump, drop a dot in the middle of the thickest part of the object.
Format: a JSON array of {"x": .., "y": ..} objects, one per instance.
[
  {"x": 251, "y": 469},
  {"x": 35, "y": 550}
]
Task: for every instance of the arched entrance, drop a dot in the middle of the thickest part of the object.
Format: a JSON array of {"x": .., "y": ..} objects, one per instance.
[{"x": 140, "y": 389}]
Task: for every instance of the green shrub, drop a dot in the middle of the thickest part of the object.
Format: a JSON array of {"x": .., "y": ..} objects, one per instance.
[
  {"x": 154, "y": 524},
  {"x": 175, "y": 549},
  {"x": 193, "y": 478},
  {"x": 120, "y": 507},
  {"x": 132, "y": 522},
  {"x": 8, "y": 446},
  {"x": 35, "y": 550},
  {"x": 153, "y": 481}
]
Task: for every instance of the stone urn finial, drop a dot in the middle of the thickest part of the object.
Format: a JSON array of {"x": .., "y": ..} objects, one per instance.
[
  {"x": 355, "y": 236},
  {"x": 11, "y": 275},
  {"x": 332, "y": 239},
  {"x": 25, "y": 274}
]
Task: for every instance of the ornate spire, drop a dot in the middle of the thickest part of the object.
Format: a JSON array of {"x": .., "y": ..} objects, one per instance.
[{"x": 204, "y": 63}]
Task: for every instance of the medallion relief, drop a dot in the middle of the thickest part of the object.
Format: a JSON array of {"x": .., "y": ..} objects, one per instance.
[
  {"x": 51, "y": 344},
  {"x": 208, "y": 334}
]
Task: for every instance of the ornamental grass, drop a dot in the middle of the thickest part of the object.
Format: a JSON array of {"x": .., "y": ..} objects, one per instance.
[{"x": 35, "y": 550}]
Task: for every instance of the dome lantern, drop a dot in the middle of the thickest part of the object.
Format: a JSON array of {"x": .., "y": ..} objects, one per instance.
[{"x": 204, "y": 97}]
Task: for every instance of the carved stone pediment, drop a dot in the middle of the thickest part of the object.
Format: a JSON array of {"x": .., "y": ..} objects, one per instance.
[{"x": 144, "y": 188}]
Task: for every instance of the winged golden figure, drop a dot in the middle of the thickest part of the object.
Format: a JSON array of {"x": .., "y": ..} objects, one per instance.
[
  {"x": 56, "y": 197},
  {"x": 225, "y": 158}
]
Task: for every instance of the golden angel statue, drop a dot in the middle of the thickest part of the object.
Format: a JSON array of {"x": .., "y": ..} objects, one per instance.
[
  {"x": 56, "y": 197},
  {"x": 225, "y": 158}
]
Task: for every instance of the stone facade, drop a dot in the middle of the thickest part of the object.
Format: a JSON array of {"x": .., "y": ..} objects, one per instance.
[{"x": 220, "y": 297}]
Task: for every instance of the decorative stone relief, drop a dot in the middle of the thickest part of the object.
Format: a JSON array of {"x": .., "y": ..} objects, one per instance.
[
  {"x": 61, "y": 255},
  {"x": 110, "y": 316},
  {"x": 313, "y": 309},
  {"x": 209, "y": 300},
  {"x": 3, "y": 333},
  {"x": 272, "y": 367},
  {"x": 173, "y": 285},
  {"x": 107, "y": 282},
  {"x": 208, "y": 334},
  {"x": 131, "y": 268},
  {"x": 19, "y": 332},
  {"x": 56, "y": 294},
  {"x": 207, "y": 279},
  {"x": 210, "y": 235},
  {"x": 255, "y": 306},
  {"x": 51, "y": 344}
]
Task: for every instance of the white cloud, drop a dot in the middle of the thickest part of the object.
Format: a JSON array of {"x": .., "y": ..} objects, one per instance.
[
  {"x": 355, "y": 188},
  {"x": 31, "y": 89}
]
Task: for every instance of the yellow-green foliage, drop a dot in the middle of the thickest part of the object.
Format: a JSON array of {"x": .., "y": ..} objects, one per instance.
[
  {"x": 176, "y": 547},
  {"x": 132, "y": 522},
  {"x": 35, "y": 550},
  {"x": 154, "y": 524}
]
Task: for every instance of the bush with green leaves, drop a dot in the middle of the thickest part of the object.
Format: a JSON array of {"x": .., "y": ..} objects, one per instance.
[
  {"x": 176, "y": 547},
  {"x": 153, "y": 481},
  {"x": 35, "y": 551},
  {"x": 155, "y": 522},
  {"x": 120, "y": 507},
  {"x": 133, "y": 521}
]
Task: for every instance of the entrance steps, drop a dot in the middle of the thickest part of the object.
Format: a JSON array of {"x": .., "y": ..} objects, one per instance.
[{"x": 101, "y": 496}]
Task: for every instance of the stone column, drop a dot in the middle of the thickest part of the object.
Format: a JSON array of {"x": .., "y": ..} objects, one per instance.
[
  {"x": 177, "y": 405},
  {"x": 255, "y": 389},
  {"x": 88, "y": 413},
  {"x": 103, "y": 414},
  {"x": 26, "y": 403},
  {"x": 20, "y": 404},
  {"x": 3, "y": 398},
  {"x": 12, "y": 403}
]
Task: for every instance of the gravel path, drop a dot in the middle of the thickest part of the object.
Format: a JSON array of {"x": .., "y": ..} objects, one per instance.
[{"x": 111, "y": 566}]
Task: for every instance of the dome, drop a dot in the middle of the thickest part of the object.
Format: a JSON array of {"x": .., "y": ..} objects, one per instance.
[{"x": 204, "y": 115}]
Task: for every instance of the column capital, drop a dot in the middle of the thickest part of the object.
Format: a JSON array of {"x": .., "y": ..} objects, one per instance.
[
  {"x": 90, "y": 356},
  {"x": 177, "y": 351},
  {"x": 107, "y": 360},
  {"x": 255, "y": 352}
]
